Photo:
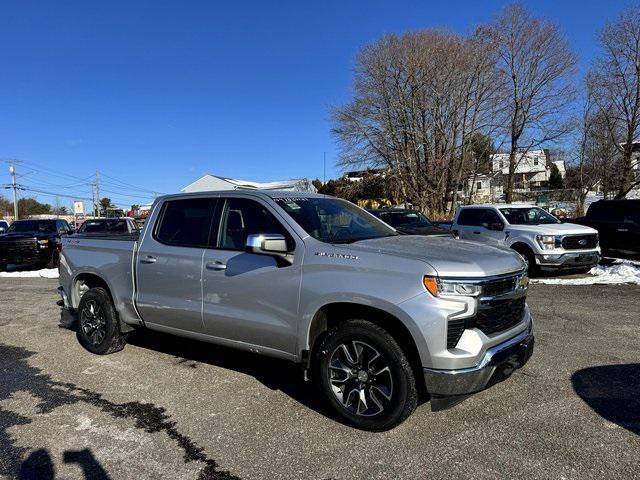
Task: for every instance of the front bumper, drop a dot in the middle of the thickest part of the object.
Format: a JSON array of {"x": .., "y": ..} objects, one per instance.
[
  {"x": 497, "y": 363},
  {"x": 568, "y": 260},
  {"x": 28, "y": 257}
]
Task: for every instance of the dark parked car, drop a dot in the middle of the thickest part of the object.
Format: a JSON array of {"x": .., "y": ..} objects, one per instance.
[
  {"x": 109, "y": 226},
  {"x": 618, "y": 225},
  {"x": 32, "y": 242},
  {"x": 409, "y": 222},
  {"x": 4, "y": 226}
]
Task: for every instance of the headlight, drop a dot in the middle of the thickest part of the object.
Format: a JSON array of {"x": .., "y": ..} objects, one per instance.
[
  {"x": 522, "y": 282},
  {"x": 440, "y": 288},
  {"x": 548, "y": 242},
  {"x": 43, "y": 242}
]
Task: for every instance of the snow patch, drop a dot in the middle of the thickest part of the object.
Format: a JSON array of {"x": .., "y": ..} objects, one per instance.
[
  {"x": 621, "y": 271},
  {"x": 44, "y": 273}
]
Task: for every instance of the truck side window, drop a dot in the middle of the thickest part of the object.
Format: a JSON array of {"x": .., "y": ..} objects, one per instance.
[
  {"x": 185, "y": 222},
  {"x": 242, "y": 217},
  {"x": 470, "y": 216},
  {"x": 489, "y": 216}
]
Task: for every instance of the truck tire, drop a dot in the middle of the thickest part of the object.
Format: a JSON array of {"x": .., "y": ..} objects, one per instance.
[
  {"x": 529, "y": 258},
  {"x": 365, "y": 376},
  {"x": 98, "y": 327},
  {"x": 53, "y": 261}
]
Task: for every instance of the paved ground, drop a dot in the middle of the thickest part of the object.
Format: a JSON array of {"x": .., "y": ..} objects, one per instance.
[{"x": 170, "y": 408}]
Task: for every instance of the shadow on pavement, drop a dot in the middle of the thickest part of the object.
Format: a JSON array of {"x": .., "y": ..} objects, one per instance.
[
  {"x": 613, "y": 392},
  {"x": 50, "y": 394},
  {"x": 273, "y": 373},
  {"x": 39, "y": 465}
]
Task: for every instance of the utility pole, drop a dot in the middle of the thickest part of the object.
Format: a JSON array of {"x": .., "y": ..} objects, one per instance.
[
  {"x": 12, "y": 170},
  {"x": 97, "y": 193}
]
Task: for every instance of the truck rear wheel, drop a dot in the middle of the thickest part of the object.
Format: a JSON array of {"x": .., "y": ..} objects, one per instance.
[
  {"x": 98, "y": 328},
  {"x": 365, "y": 376}
]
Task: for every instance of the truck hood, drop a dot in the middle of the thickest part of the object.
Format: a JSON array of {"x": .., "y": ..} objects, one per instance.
[
  {"x": 553, "y": 229},
  {"x": 447, "y": 256}
]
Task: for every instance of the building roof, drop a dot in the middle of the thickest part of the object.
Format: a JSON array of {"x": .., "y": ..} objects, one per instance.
[{"x": 218, "y": 183}]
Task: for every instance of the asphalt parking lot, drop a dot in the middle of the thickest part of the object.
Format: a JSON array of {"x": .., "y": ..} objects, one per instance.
[{"x": 170, "y": 408}]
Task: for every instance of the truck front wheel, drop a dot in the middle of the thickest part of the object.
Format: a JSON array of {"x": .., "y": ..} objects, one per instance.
[
  {"x": 365, "y": 376},
  {"x": 98, "y": 328},
  {"x": 529, "y": 258}
]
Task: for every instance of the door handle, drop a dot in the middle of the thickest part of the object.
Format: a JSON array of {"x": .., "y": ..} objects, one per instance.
[
  {"x": 623, "y": 229},
  {"x": 217, "y": 265},
  {"x": 148, "y": 259},
  {"x": 477, "y": 233}
]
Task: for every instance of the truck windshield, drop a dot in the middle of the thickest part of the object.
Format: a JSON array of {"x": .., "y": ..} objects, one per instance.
[
  {"x": 405, "y": 218},
  {"x": 32, "y": 226},
  {"x": 528, "y": 216},
  {"x": 333, "y": 220}
]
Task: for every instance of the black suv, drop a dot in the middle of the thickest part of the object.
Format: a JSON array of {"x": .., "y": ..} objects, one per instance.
[
  {"x": 32, "y": 242},
  {"x": 618, "y": 225},
  {"x": 409, "y": 222}
]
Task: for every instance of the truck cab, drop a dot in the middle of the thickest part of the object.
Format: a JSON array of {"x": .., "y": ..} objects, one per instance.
[{"x": 544, "y": 241}]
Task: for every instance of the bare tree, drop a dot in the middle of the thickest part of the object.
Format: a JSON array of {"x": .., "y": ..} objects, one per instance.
[
  {"x": 537, "y": 65},
  {"x": 615, "y": 81},
  {"x": 418, "y": 100},
  {"x": 595, "y": 154}
]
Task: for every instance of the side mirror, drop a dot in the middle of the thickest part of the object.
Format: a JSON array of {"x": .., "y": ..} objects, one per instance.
[{"x": 272, "y": 244}]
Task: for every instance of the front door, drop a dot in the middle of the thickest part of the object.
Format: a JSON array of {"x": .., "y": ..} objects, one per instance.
[
  {"x": 169, "y": 265},
  {"x": 251, "y": 298}
]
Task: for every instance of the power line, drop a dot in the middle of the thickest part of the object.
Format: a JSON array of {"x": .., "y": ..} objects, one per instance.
[
  {"x": 53, "y": 194},
  {"x": 128, "y": 185}
]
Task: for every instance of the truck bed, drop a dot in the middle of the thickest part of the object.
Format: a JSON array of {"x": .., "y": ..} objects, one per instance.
[
  {"x": 132, "y": 237},
  {"x": 109, "y": 255}
]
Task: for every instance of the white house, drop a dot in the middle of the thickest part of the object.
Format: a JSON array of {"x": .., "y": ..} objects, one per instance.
[
  {"x": 485, "y": 186},
  {"x": 533, "y": 168},
  {"x": 212, "y": 183}
]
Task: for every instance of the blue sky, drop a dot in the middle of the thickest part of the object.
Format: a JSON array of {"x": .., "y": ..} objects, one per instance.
[{"x": 157, "y": 93}]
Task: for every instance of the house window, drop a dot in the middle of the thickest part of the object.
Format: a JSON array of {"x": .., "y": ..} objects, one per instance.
[
  {"x": 535, "y": 161},
  {"x": 501, "y": 164},
  {"x": 479, "y": 186}
]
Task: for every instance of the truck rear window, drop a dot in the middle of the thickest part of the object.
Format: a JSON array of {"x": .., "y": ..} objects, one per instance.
[{"x": 185, "y": 222}]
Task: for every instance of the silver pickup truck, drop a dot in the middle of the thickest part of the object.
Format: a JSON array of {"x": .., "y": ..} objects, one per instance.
[{"x": 376, "y": 319}]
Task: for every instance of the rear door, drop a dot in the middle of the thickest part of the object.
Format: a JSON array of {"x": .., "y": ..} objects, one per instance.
[
  {"x": 251, "y": 298},
  {"x": 169, "y": 265},
  {"x": 476, "y": 225},
  {"x": 468, "y": 220}
]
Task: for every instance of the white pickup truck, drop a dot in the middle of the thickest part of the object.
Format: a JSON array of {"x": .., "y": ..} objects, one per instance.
[{"x": 544, "y": 241}]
